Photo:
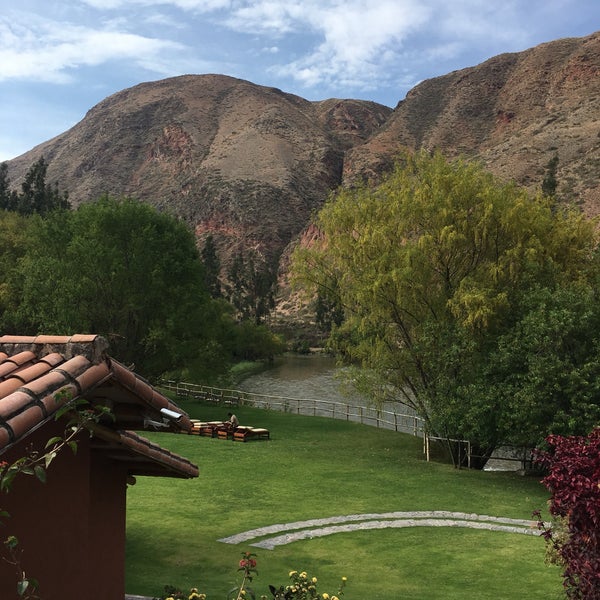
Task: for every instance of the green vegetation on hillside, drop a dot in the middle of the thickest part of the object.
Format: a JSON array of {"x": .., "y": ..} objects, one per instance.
[{"x": 119, "y": 268}]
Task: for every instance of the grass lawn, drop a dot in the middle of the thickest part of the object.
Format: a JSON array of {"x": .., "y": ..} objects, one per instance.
[{"x": 314, "y": 468}]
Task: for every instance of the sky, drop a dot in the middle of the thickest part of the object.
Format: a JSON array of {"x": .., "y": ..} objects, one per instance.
[{"x": 59, "y": 58}]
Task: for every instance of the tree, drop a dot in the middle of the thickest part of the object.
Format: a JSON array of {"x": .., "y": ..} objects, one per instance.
[
  {"x": 5, "y": 191},
  {"x": 550, "y": 183},
  {"x": 212, "y": 267},
  {"x": 13, "y": 239},
  {"x": 433, "y": 268},
  {"x": 573, "y": 472},
  {"x": 121, "y": 269},
  {"x": 251, "y": 285},
  {"x": 36, "y": 195}
]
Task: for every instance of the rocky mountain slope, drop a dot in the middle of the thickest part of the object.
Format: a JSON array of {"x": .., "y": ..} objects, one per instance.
[
  {"x": 249, "y": 163},
  {"x": 244, "y": 162},
  {"x": 513, "y": 112}
]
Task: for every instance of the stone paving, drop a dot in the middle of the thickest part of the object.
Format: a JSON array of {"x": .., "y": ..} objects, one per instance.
[{"x": 302, "y": 530}]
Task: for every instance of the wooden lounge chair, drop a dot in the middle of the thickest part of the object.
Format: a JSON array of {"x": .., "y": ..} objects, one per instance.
[
  {"x": 225, "y": 433},
  {"x": 198, "y": 427},
  {"x": 245, "y": 433}
]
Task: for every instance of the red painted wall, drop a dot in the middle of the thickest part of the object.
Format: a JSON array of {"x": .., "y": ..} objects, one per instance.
[{"x": 71, "y": 528}]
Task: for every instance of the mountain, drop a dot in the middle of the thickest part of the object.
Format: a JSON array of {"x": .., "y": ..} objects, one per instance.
[
  {"x": 249, "y": 164},
  {"x": 513, "y": 112},
  {"x": 244, "y": 162}
]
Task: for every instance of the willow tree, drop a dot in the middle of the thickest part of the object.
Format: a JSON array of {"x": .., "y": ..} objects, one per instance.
[{"x": 433, "y": 268}]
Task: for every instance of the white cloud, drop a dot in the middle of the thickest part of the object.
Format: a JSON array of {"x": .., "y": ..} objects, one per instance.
[
  {"x": 192, "y": 5},
  {"x": 353, "y": 41},
  {"x": 49, "y": 51}
]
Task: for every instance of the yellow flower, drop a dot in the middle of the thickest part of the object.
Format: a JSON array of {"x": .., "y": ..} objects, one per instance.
[
  {"x": 344, "y": 579},
  {"x": 325, "y": 596},
  {"x": 314, "y": 580},
  {"x": 303, "y": 575},
  {"x": 292, "y": 573},
  {"x": 334, "y": 598}
]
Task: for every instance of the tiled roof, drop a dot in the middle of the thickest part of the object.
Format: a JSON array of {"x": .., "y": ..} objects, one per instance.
[{"x": 38, "y": 374}]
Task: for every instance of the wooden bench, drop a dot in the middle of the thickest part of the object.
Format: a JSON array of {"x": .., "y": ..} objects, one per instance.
[
  {"x": 205, "y": 428},
  {"x": 219, "y": 429},
  {"x": 245, "y": 433}
]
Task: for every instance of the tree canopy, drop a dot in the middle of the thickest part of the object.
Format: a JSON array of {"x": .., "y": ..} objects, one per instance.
[
  {"x": 36, "y": 196},
  {"x": 441, "y": 271},
  {"x": 119, "y": 268}
]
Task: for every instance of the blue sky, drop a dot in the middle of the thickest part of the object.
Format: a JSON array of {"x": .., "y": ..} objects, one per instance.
[{"x": 58, "y": 58}]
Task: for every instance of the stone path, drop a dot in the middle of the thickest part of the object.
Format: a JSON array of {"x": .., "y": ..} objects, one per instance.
[{"x": 280, "y": 534}]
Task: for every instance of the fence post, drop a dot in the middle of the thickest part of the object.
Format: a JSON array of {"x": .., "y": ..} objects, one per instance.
[{"x": 469, "y": 451}]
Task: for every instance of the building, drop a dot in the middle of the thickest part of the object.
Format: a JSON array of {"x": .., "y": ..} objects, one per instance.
[{"x": 72, "y": 527}]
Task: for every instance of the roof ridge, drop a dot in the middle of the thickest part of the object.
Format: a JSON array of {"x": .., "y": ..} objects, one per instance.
[{"x": 92, "y": 346}]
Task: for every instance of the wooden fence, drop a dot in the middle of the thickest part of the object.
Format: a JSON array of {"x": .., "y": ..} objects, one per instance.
[
  {"x": 386, "y": 418},
  {"x": 396, "y": 417}
]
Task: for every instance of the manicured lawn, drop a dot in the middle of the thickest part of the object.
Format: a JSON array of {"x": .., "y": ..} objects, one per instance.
[{"x": 314, "y": 468}]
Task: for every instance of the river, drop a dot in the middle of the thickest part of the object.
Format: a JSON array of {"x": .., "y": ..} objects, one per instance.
[{"x": 311, "y": 377}]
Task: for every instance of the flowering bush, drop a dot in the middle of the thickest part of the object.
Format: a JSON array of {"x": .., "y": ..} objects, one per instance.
[
  {"x": 173, "y": 593},
  {"x": 302, "y": 586}
]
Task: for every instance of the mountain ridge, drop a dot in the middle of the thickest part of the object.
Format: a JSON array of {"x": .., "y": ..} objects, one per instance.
[{"x": 249, "y": 164}]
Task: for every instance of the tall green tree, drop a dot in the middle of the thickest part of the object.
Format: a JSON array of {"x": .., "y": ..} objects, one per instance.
[
  {"x": 119, "y": 268},
  {"x": 212, "y": 267},
  {"x": 13, "y": 240},
  {"x": 432, "y": 268},
  {"x": 550, "y": 183},
  {"x": 37, "y": 196},
  {"x": 5, "y": 191},
  {"x": 252, "y": 282}
]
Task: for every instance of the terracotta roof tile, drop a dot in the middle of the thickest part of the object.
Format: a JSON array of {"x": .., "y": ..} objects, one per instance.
[
  {"x": 47, "y": 383},
  {"x": 11, "y": 364},
  {"x": 38, "y": 374},
  {"x": 14, "y": 403},
  {"x": 92, "y": 376},
  {"x": 25, "y": 421},
  {"x": 4, "y": 437},
  {"x": 52, "y": 402},
  {"x": 34, "y": 371}
]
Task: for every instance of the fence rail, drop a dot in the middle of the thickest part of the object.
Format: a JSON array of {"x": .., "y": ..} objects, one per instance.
[{"x": 382, "y": 418}]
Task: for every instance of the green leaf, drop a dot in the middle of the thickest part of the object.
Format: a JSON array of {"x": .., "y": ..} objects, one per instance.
[
  {"x": 22, "y": 586},
  {"x": 73, "y": 446},
  {"x": 49, "y": 458},
  {"x": 40, "y": 473},
  {"x": 52, "y": 441}
]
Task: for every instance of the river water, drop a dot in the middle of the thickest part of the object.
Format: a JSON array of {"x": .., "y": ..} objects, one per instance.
[
  {"x": 314, "y": 384},
  {"x": 312, "y": 376}
]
